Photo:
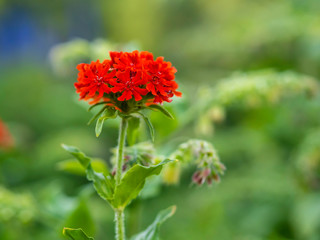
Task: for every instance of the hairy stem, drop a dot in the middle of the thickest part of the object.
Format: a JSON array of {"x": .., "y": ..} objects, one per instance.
[
  {"x": 120, "y": 229},
  {"x": 119, "y": 214}
]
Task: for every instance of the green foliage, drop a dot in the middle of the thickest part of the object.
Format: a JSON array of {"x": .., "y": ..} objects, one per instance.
[
  {"x": 81, "y": 217},
  {"x": 104, "y": 185},
  {"x": 149, "y": 124},
  {"x": 132, "y": 131},
  {"x": 106, "y": 114},
  {"x": 75, "y": 234},
  {"x": 260, "y": 87},
  {"x": 130, "y": 186},
  {"x": 73, "y": 166},
  {"x": 16, "y": 207},
  {"x": 132, "y": 183},
  {"x": 153, "y": 231}
]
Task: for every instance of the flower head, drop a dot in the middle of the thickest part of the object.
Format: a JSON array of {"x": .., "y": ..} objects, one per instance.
[{"x": 127, "y": 76}]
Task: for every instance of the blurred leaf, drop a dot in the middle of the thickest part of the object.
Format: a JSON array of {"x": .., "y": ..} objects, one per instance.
[
  {"x": 75, "y": 234},
  {"x": 81, "y": 217},
  {"x": 161, "y": 109},
  {"x": 132, "y": 183},
  {"x": 152, "y": 232},
  {"x": 107, "y": 113},
  {"x": 73, "y": 166},
  {"x": 151, "y": 188},
  {"x": 104, "y": 185},
  {"x": 132, "y": 131},
  {"x": 149, "y": 124}
]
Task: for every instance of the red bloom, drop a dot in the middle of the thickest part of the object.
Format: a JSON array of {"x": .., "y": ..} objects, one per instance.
[
  {"x": 129, "y": 83},
  {"x": 6, "y": 140},
  {"x": 126, "y": 76},
  {"x": 161, "y": 80},
  {"x": 93, "y": 79}
]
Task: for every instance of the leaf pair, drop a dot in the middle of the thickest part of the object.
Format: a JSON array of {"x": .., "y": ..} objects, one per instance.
[
  {"x": 104, "y": 114},
  {"x": 151, "y": 233},
  {"x": 129, "y": 187}
]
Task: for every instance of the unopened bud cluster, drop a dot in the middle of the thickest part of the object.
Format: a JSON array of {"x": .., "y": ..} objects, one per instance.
[{"x": 203, "y": 154}]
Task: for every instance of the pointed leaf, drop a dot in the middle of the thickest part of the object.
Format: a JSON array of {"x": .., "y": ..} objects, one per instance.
[
  {"x": 152, "y": 232},
  {"x": 132, "y": 131},
  {"x": 107, "y": 113},
  {"x": 104, "y": 185},
  {"x": 161, "y": 109},
  {"x": 96, "y": 116},
  {"x": 75, "y": 234},
  {"x": 149, "y": 124},
  {"x": 132, "y": 183}
]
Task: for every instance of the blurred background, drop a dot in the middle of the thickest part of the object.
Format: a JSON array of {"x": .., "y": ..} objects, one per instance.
[{"x": 248, "y": 71}]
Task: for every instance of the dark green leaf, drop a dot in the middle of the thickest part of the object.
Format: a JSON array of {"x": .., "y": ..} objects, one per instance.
[
  {"x": 75, "y": 234},
  {"x": 104, "y": 185},
  {"x": 161, "y": 109},
  {"x": 132, "y": 131},
  {"x": 152, "y": 232},
  {"x": 107, "y": 113},
  {"x": 132, "y": 183},
  {"x": 149, "y": 124}
]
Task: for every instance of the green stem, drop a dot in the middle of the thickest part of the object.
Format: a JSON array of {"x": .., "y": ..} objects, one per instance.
[{"x": 119, "y": 214}]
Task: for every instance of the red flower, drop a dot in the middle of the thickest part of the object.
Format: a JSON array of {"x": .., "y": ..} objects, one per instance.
[
  {"x": 161, "y": 80},
  {"x": 93, "y": 79},
  {"x": 6, "y": 140},
  {"x": 129, "y": 83},
  {"x": 128, "y": 75}
]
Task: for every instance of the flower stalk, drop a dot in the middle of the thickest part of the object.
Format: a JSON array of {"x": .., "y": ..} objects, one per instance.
[{"x": 119, "y": 213}]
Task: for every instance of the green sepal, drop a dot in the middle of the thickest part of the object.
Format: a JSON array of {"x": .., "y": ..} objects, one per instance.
[
  {"x": 75, "y": 234},
  {"x": 107, "y": 113},
  {"x": 149, "y": 124},
  {"x": 132, "y": 131},
  {"x": 132, "y": 183},
  {"x": 152, "y": 232},
  {"x": 104, "y": 185},
  {"x": 161, "y": 109},
  {"x": 97, "y": 104}
]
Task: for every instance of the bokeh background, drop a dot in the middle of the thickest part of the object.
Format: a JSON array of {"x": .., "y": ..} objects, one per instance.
[{"x": 248, "y": 71}]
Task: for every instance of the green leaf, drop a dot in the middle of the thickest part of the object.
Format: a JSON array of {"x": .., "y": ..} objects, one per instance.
[
  {"x": 104, "y": 185},
  {"x": 132, "y": 131},
  {"x": 75, "y": 234},
  {"x": 152, "y": 232},
  {"x": 149, "y": 124},
  {"x": 81, "y": 217},
  {"x": 132, "y": 183},
  {"x": 96, "y": 116},
  {"x": 161, "y": 109},
  {"x": 73, "y": 166},
  {"x": 107, "y": 113}
]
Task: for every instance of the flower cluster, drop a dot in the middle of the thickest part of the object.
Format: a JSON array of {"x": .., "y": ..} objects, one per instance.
[
  {"x": 204, "y": 155},
  {"x": 134, "y": 76}
]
